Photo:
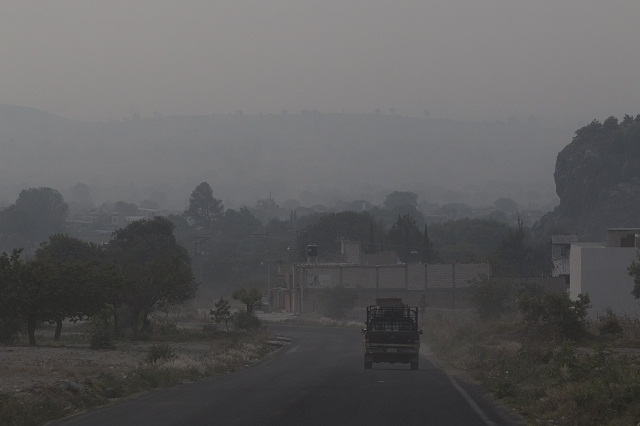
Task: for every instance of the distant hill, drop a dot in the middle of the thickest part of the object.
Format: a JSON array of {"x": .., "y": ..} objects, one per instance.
[
  {"x": 311, "y": 156},
  {"x": 598, "y": 181}
]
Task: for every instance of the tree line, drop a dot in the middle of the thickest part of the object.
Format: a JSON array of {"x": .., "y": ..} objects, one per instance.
[
  {"x": 146, "y": 266},
  {"x": 141, "y": 269}
]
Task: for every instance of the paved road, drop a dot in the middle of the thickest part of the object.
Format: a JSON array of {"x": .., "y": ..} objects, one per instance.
[{"x": 318, "y": 379}]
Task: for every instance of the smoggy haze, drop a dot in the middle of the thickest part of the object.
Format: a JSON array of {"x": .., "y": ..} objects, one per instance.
[{"x": 480, "y": 60}]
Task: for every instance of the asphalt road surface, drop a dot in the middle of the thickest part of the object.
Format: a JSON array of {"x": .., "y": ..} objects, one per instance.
[{"x": 317, "y": 379}]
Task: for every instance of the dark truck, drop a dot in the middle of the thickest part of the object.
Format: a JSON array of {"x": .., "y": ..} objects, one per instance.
[{"x": 391, "y": 333}]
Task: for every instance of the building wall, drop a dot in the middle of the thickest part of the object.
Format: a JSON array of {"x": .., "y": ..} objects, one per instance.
[
  {"x": 415, "y": 276},
  {"x": 602, "y": 273},
  {"x": 443, "y": 286}
]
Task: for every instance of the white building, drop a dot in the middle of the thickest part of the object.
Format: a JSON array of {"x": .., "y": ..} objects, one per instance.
[{"x": 601, "y": 270}]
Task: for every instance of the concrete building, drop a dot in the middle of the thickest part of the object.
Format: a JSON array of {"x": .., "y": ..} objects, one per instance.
[
  {"x": 601, "y": 270},
  {"x": 560, "y": 250}
]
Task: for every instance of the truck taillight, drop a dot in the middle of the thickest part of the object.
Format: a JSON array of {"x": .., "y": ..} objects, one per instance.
[{"x": 366, "y": 337}]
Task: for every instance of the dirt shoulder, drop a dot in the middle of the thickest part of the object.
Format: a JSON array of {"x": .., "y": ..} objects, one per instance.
[{"x": 23, "y": 368}]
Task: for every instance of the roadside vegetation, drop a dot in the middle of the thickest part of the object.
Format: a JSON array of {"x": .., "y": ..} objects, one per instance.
[
  {"x": 166, "y": 356},
  {"x": 537, "y": 352}
]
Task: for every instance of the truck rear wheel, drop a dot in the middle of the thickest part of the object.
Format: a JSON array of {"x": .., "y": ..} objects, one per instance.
[
  {"x": 415, "y": 365},
  {"x": 368, "y": 365}
]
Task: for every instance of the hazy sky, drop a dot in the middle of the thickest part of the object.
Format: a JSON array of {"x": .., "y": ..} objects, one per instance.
[{"x": 472, "y": 60}]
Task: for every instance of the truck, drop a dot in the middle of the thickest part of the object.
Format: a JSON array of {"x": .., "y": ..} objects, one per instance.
[{"x": 391, "y": 333}]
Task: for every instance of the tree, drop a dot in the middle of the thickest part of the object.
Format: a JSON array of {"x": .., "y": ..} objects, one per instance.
[
  {"x": 252, "y": 298},
  {"x": 634, "y": 272},
  {"x": 222, "y": 312},
  {"x": 514, "y": 258},
  {"x": 204, "y": 209},
  {"x": 400, "y": 199},
  {"x": 429, "y": 255},
  {"x": 490, "y": 297},
  {"x": 155, "y": 267},
  {"x": 10, "y": 275},
  {"x": 36, "y": 214},
  {"x": 405, "y": 237},
  {"x": 72, "y": 269},
  {"x": 477, "y": 238},
  {"x": 239, "y": 223}
]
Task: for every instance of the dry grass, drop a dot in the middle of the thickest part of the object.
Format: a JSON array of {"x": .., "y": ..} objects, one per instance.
[{"x": 55, "y": 379}]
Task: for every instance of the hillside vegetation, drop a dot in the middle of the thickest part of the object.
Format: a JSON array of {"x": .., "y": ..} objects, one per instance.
[{"x": 598, "y": 180}]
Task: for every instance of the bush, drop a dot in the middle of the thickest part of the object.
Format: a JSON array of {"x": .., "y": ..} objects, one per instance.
[
  {"x": 222, "y": 312},
  {"x": 551, "y": 315},
  {"x": 490, "y": 297},
  {"x": 100, "y": 329},
  {"x": 159, "y": 353},
  {"x": 246, "y": 321},
  {"x": 610, "y": 325}
]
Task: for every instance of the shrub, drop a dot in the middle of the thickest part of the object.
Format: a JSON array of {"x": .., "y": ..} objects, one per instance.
[
  {"x": 490, "y": 297},
  {"x": 246, "y": 321},
  {"x": 610, "y": 325},
  {"x": 159, "y": 353},
  {"x": 100, "y": 329},
  {"x": 552, "y": 315},
  {"x": 163, "y": 326},
  {"x": 222, "y": 312}
]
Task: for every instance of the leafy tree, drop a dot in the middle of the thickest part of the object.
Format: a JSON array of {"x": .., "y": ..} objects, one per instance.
[
  {"x": 36, "y": 214},
  {"x": 10, "y": 275},
  {"x": 405, "y": 237},
  {"x": 156, "y": 268},
  {"x": 590, "y": 130},
  {"x": 514, "y": 257},
  {"x": 71, "y": 269},
  {"x": 400, "y": 199},
  {"x": 610, "y": 124},
  {"x": 634, "y": 272},
  {"x": 35, "y": 299},
  {"x": 252, "y": 298},
  {"x": 483, "y": 233},
  {"x": 475, "y": 238},
  {"x": 335, "y": 302},
  {"x": 204, "y": 209},
  {"x": 222, "y": 312},
  {"x": 239, "y": 223},
  {"x": 429, "y": 254}
]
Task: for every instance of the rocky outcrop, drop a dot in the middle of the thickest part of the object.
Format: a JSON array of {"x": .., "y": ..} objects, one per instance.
[{"x": 597, "y": 178}]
